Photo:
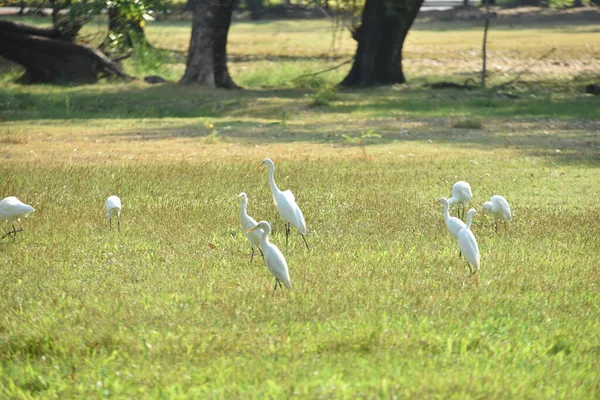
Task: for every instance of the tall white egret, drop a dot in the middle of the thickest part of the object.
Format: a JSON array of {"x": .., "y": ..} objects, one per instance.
[
  {"x": 468, "y": 244},
  {"x": 500, "y": 208},
  {"x": 113, "y": 209},
  {"x": 273, "y": 257},
  {"x": 461, "y": 194},
  {"x": 286, "y": 205},
  {"x": 247, "y": 222},
  {"x": 12, "y": 210},
  {"x": 453, "y": 224}
]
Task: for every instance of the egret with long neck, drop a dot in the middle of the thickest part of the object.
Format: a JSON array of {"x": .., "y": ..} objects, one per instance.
[
  {"x": 286, "y": 205},
  {"x": 246, "y": 223},
  {"x": 274, "y": 259}
]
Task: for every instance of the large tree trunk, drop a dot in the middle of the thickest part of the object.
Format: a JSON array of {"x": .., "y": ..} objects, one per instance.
[
  {"x": 47, "y": 57},
  {"x": 207, "y": 56},
  {"x": 380, "y": 37}
]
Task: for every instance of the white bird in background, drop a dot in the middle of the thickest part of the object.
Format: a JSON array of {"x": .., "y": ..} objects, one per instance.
[
  {"x": 461, "y": 194},
  {"x": 113, "y": 209},
  {"x": 500, "y": 208},
  {"x": 11, "y": 210},
  {"x": 454, "y": 224},
  {"x": 246, "y": 223},
  {"x": 468, "y": 244},
  {"x": 273, "y": 257},
  {"x": 286, "y": 205}
]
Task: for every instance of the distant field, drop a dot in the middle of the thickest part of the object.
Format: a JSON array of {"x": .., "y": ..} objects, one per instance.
[{"x": 382, "y": 306}]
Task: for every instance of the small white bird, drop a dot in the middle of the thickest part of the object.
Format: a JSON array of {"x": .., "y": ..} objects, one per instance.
[
  {"x": 273, "y": 257},
  {"x": 113, "y": 209},
  {"x": 286, "y": 205},
  {"x": 468, "y": 244},
  {"x": 461, "y": 194},
  {"x": 454, "y": 224},
  {"x": 246, "y": 223},
  {"x": 500, "y": 208},
  {"x": 12, "y": 210}
]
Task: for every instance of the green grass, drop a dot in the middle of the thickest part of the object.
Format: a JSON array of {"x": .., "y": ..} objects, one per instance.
[{"x": 380, "y": 307}]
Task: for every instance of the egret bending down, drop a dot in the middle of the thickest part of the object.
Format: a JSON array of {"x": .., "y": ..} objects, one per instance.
[
  {"x": 113, "y": 209},
  {"x": 247, "y": 222},
  {"x": 461, "y": 194},
  {"x": 12, "y": 210},
  {"x": 500, "y": 208},
  {"x": 468, "y": 244},
  {"x": 286, "y": 205},
  {"x": 273, "y": 257}
]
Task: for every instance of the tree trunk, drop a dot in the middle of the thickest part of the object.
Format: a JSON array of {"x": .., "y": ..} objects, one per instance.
[
  {"x": 380, "y": 37},
  {"x": 48, "y": 58},
  {"x": 207, "y": 56}
]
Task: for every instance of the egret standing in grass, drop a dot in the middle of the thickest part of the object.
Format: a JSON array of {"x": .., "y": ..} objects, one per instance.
[
  {"x": 500, "y": 208},
  {"x": 286, "y": 205},
  {"x": 454, "y": 224},
  {"x": 113, "y": 209},
  {"x": 461, "y": 194},
  {"x": 12, "y": 210},
  {"x": 247, "y": 222},
  {"x": 468, "y": 244},
  {"x": 273, "y": 256}
]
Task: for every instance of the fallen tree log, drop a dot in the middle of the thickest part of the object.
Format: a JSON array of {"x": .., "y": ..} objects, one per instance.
[{"x": 48, "y": 58}]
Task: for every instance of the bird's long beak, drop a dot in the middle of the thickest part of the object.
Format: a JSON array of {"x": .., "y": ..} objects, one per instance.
[
  {"x": 252, "y": 229},
  {"x": 258, "y": 166},
  {"x": 434, "y": 202}
]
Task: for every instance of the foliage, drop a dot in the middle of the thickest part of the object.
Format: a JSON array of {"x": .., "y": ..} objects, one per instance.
[{"x": 324, "y": 95}]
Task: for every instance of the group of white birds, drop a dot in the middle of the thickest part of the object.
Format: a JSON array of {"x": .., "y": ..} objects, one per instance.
[
  {"x": 461, "y": 195},
  {"x": 12, "y": 210}
]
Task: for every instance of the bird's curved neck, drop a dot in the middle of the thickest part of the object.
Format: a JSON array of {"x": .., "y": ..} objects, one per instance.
[
  {"x": 451, "y": 200},
  {"x": 264, "y": 238},
  {"x": 469, "y": 219},
  {"x": 446, "y": 212},
  {"x": 243, "y": 212},
  {"x": 272, "y": 183}
]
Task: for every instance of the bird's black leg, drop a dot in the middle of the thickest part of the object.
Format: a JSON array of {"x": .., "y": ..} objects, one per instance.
[
  {"x": 252, "y": 254},
  {"x": 261, "y": 253},
  {"x": 119, "y": 224},
  {"x": 287, "y": 233},
  {"x": 275, "y": 287},
  {"x": 459, "y": 253},
  {"x": 110, "y": 223},
  {"x": 305, "y": 242}
]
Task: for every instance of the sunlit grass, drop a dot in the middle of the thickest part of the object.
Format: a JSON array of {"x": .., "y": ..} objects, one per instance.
[{"x": 382, "y": 306}]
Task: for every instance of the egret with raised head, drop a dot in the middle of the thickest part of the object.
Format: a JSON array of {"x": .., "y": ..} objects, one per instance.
[
  {"x": 286, "y": 205},
  {"x": 468, "y": 244},
  {"x": 246, "y": 223}
]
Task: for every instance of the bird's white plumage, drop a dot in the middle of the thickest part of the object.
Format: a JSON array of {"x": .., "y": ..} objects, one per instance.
[
  {"x": 453, "y": 224},
  {"x": 499, "y": 207},
  {"x": 13, "y": 209},
  {"x": 468, "y": 243},
  {"x": 273, "y": 257},
  {"x": 113, "y": 207},
  {"x": 247, "y": 222},
  {"x": 285, "y": 201},
  {"x": 461, "y": 193}
]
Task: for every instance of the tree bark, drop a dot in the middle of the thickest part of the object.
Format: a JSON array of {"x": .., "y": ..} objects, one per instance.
[
  {"x": 48, "y": 58},
  {"x": 207, "y": 56},
  {"x": 380, "y": 37}
]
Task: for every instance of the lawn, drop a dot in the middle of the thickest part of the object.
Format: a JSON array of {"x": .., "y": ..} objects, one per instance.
[{"x": 381, "y": 306}]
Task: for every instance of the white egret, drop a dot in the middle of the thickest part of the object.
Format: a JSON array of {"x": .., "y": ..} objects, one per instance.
[
  {"x": 500, "y": 208},
  {"x": 461, "y": 194},
  {"x": 273, "y": 257},
  {"x": 113, "y": 209},
  {"x": 247, "y": 222},
  {"x": 286, "y": 205},
  {"x": 468, "y": 244},
  {"x": 453, "y": 224},
  {"x": 12, "y": 210}
]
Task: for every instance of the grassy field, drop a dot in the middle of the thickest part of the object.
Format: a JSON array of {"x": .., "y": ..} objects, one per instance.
[{"x": 382, "y": 306}]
